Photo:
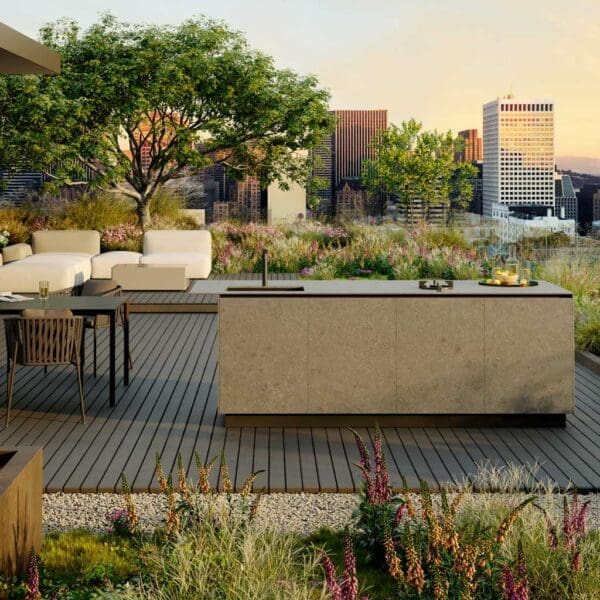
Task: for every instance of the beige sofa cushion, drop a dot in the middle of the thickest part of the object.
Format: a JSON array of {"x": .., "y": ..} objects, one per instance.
[
  {"x": 168, "y": 240},
  {"x": 84, "y": 241},
  {"x": 102, "y": 264},
  {"x": 192, "y": 248},
  {"x": 15, "y": 252},
  {"x": 61, "y": 270}
]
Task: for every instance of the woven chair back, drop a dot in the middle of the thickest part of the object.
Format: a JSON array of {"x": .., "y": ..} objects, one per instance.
[{"x": 44, "y": 341}]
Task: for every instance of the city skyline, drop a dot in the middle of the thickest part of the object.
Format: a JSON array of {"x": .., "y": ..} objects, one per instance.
[{"x": 435, "y": 62}]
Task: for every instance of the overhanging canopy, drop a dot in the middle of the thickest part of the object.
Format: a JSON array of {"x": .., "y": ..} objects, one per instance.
[{"x": 20, "y": 54}]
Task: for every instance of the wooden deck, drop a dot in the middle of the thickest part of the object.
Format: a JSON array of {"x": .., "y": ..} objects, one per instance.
[{"x": 170, "y": 408}]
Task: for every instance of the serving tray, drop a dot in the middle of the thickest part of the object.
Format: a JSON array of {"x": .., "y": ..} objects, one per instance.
[{"x": 531, "y": 283}]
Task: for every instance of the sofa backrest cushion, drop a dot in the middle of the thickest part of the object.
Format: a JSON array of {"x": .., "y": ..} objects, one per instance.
[
  {"x": 83, "y": 241},
  {"x": 170, "y": 241},
  {"x": 15, "y": 252}
]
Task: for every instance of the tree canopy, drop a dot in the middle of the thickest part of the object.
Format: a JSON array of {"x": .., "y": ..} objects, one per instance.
[
  {"x": 136, "y": 105},
  {"x": 414, "y": 164}
]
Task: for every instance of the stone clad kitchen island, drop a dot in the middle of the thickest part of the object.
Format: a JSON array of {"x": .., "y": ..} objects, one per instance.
[{"x": 365, "y": 351}]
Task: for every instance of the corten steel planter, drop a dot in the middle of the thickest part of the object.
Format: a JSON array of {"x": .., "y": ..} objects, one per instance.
[{"x": 20, "y": 507}]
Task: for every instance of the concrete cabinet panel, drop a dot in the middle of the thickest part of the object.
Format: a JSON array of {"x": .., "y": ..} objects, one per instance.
[
  {"x": 440, "y": 355},
  {"x": 529, "y": 355},
  {"x": 352, "y": 355},
  {"x": 473, "y": 351},
  {"x": 263, "y": 355}
]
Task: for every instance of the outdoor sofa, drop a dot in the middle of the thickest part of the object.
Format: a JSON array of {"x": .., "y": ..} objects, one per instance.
[
  {"x": 67, "y": 259},
  {"x": 63, "y": 258}
]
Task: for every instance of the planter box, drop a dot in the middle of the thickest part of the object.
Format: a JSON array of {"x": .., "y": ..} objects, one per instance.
[
  {"x": 589, "y": 360},
  {"x": 20, "y": 507}
]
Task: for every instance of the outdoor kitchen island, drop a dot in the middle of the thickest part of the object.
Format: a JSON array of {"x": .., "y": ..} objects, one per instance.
[{"x": 363, "y": 351}]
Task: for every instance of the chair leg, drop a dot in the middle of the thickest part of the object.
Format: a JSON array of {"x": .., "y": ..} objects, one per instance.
[
  {"x": 130, "y": 360},
  {"x": 82, "y": 352},
  {"x": 80, "y": 386},
  {"x": 9, "y": 390},
  {"x": 95, "y": 351}
]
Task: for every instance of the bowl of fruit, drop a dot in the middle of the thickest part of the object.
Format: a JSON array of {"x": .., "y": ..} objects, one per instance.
[{"x": 507, "y": 277}]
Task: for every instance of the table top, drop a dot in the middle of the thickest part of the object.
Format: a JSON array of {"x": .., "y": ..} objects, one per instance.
[
  {"x": 373, "y": 287},
  {"x": 77, "y": 304}
]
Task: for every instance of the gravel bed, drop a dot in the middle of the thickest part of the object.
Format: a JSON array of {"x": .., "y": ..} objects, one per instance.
[{"x": 299, "y": 513}]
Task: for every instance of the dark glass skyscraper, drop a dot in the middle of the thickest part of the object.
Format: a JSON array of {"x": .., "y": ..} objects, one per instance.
[{"x": 341, "y": 156}]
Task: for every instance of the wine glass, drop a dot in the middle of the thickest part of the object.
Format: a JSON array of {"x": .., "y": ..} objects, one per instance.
[{"x": 44, "y": 288}]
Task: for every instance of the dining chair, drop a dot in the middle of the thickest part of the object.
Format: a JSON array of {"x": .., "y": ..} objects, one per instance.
[
  {"x": 43, "y": 339},
  {"x": 102, "y": 287}
]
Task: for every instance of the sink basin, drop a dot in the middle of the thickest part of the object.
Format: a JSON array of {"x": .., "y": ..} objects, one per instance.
[{"x": 270, "y": 288}]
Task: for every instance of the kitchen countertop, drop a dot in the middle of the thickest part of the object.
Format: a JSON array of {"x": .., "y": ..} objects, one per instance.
[{"x": 373, "y": 287}]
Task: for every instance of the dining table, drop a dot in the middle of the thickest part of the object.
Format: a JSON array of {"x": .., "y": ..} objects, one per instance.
[{"x": 114, "y": 307}]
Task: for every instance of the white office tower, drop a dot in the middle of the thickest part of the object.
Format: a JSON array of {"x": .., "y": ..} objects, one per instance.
[{"x": 518, "y": 156}]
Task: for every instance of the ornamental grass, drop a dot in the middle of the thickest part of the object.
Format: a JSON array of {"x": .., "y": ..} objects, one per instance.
[{"x": 460, "y": 544}]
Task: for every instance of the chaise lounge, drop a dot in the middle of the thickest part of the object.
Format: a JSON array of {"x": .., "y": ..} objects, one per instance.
[{"x": 63, "y": 258}]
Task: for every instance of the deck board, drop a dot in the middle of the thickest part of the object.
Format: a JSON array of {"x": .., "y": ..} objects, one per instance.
[{"x": 170, "y": 407}]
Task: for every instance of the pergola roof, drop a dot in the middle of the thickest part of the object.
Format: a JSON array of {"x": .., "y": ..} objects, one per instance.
[{"x": 20, "y": 54}]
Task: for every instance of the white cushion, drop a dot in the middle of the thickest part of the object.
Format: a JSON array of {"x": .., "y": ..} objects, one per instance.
[
  {"x": 61, "y": 269},
  {"x": 82, "y": 240},
  {"x": 197, "y": 264},
  {"x": 102, "y": 264},
  {"x": 16, "y": 252},
  {"x": 177, "y": 241}
]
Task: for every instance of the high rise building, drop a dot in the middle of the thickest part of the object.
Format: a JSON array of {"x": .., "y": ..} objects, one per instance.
[
  {"x": 323, "y": 169},
  {"x": 245, "y": 199},
  {"x": 354, "y": 133},
  {"x": 340, "y": 157},
  {"x": 473, "y": 149},
  {"x": 518, "y": 155},
  {"x": 588, "y": 207},
  {"x": 565, "y": 200}
]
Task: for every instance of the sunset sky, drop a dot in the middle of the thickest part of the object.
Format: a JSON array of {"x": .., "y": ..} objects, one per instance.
[{"x": 437, "y": 61}]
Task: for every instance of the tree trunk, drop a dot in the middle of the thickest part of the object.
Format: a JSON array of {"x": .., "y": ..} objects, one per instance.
[{"x": 143, "y": 213}]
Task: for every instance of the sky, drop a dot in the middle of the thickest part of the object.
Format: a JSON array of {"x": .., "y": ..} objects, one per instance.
[{"x": 435, "y": 60}]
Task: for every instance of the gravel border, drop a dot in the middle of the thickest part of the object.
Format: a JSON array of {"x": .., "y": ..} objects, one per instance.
[{"x": 298, "y": 513}]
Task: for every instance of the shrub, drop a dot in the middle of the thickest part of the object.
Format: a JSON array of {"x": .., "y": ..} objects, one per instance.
[
  {"x": 587, "y": 326},
  {"x": 580, "y": 276},
  {"x": 428, "y": 549},
  {"x": 99, "y": 211},
  {"x": 440, "y": 237},
  {"x": 122, "y": 237},
  {"x": 16, "y": 222},
  {"x": 378, "y": 504},
  {"x": 166, "y": 207}
]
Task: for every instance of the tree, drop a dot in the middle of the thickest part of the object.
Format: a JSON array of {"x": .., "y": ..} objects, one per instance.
[
  {"x": 414, "y": 164},
  {"x": 137, "y": 105}
]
